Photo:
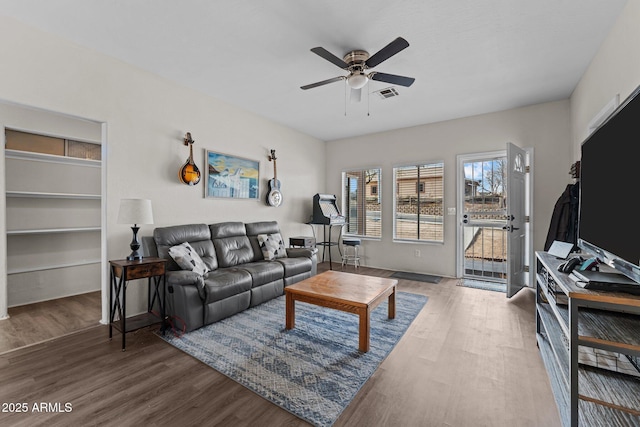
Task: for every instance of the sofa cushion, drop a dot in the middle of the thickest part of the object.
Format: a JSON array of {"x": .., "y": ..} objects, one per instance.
[
  {"x": 231, "y": 244},
  {"x": 198, "y": 236},
  {"x": 219, "y": 310},
  {"x": 263, "y": 272},
  {"x": 227, "y": 229},
  {"x": 295, "y": 266},
  {"x": 272, "y": 246},
  {"x": 225, "y": 282},
  {"x": 187, "y": 258}
]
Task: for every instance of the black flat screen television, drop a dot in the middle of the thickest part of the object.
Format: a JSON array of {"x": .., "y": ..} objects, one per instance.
[{"x": 609, "y": 178}]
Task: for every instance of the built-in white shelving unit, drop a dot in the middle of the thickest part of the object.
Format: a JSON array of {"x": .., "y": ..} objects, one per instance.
[
  {"x": 53, "y": 267},
  {"x": 39, "y": 195},
  {"x": 51, "y": 158},
  {"x": 53, "y": 214},
  {"x": 51, "y": 230}
]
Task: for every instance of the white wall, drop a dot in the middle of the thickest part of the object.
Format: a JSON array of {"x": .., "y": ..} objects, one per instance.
[
  {"x": 146, "y": 118},
  {"x": 614, "y": 70},
  {"x": 545, "y": 127}
]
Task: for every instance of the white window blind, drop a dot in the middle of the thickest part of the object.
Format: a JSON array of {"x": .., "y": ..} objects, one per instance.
[
  {"x": 418, "y": 210},
  {"x": 361, "y": 196},
  {"x": 23, "y": 141}
]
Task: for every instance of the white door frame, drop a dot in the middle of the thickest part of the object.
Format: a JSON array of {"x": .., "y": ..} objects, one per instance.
[
  {"x": 460, "y": 160},
  {"x": 4, "y": 309}
]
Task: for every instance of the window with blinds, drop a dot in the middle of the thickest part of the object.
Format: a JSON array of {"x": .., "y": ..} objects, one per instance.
[
  {"x": 23, "y": 141},
  {"x": 419, "y": 205},
  {"x": 361, "y": 202}
]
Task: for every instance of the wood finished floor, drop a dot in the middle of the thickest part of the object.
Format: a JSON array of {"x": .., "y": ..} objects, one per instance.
[
  {"x": 34, "y": 323},
  {"x": 469, "y": 359}
]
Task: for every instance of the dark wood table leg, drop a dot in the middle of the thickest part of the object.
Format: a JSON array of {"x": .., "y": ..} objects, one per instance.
[
  {"x": 365, "y": 329},
  {"x": 290, "y": 311},
  {"x": 112, "y": 283},
  {"x": 163, "y": 311},
  {"x": 392, "y": 304},
  {"x": 123, "y": 314}
]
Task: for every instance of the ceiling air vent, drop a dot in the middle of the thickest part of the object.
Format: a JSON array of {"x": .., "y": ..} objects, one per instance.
[{"x": 387, "y": 93}]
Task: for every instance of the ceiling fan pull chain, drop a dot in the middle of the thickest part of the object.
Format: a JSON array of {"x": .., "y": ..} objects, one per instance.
[
  {"x": 345, "y": 97},
  {"x": 368, "y": 103}
]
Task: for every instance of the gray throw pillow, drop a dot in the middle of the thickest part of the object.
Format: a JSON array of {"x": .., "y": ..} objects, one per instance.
[
  {"x": 272, "y": 246},
  {"x": 186, "y": 257}
]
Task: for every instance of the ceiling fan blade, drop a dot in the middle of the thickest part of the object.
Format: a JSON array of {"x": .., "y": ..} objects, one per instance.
[
  {"x": 387, "y": 52},
  {"x": 393, "y": 79},
  {"x": 322, "y": 83},
  {"x": 356, "y": 95},
  {"x": 320, "y": 51}
]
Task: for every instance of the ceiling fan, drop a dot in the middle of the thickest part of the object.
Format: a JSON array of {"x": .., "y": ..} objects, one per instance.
[{"x": 357, "y": 62}]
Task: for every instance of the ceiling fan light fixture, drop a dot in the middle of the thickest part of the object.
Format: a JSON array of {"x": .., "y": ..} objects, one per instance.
[
  {"x": 357, "y": 62},
  {"x": 357, "y": 80}
]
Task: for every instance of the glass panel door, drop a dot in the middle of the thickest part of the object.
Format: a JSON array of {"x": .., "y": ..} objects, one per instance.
[{"x": 484, "y": 219}]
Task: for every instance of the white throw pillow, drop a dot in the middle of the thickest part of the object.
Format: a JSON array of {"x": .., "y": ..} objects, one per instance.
[
  {"x": 272, "y": 246},
  {"x": 188, "y": 259}
]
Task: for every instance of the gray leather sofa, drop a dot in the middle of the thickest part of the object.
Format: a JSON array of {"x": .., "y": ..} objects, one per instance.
[{"x": 239, "y": 277}]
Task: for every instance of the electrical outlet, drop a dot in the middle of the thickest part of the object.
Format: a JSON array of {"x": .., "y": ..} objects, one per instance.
[
  {"x": 417, "y": 253},
  {"x": 451, "y": 211}
]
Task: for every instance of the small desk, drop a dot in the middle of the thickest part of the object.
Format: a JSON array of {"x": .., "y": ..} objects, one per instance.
[{"x": 121, "y": 272}]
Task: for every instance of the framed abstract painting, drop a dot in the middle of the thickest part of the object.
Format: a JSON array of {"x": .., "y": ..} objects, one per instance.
[{"x": 231, "y": 177}]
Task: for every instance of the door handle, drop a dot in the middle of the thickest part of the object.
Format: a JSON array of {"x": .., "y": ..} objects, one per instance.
[{"x": 510, "y": 228}]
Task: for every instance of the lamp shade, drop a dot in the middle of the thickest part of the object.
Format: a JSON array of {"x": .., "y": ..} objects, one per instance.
[{"x": 135, "y": 211}]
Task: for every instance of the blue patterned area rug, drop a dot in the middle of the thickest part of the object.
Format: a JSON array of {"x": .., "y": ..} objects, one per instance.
[{"x": 313, "y": 370}]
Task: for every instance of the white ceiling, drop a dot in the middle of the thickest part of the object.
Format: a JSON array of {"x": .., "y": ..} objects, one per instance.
[{"x": 468, "y": 56}]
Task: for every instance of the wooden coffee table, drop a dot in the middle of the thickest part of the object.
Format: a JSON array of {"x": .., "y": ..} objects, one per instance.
[{"x": 353, "y": 293}]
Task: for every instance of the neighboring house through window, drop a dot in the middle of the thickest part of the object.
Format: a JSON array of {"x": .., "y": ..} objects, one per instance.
[{"x": 419, "y": 205}]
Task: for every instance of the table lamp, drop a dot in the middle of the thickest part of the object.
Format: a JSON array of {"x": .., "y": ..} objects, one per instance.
[{"x": 135, "y": 211}]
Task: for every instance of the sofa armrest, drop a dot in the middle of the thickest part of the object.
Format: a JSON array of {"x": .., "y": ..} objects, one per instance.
[
  {"x": 301, "y": 252},
  {"x": 185, "y": 278}
]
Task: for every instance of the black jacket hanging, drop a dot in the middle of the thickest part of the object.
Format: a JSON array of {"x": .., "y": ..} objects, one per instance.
[{"x": 564, "y": 221}]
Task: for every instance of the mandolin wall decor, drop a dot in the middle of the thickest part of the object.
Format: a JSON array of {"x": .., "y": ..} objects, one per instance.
[{"x": 189, "y": 173}]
